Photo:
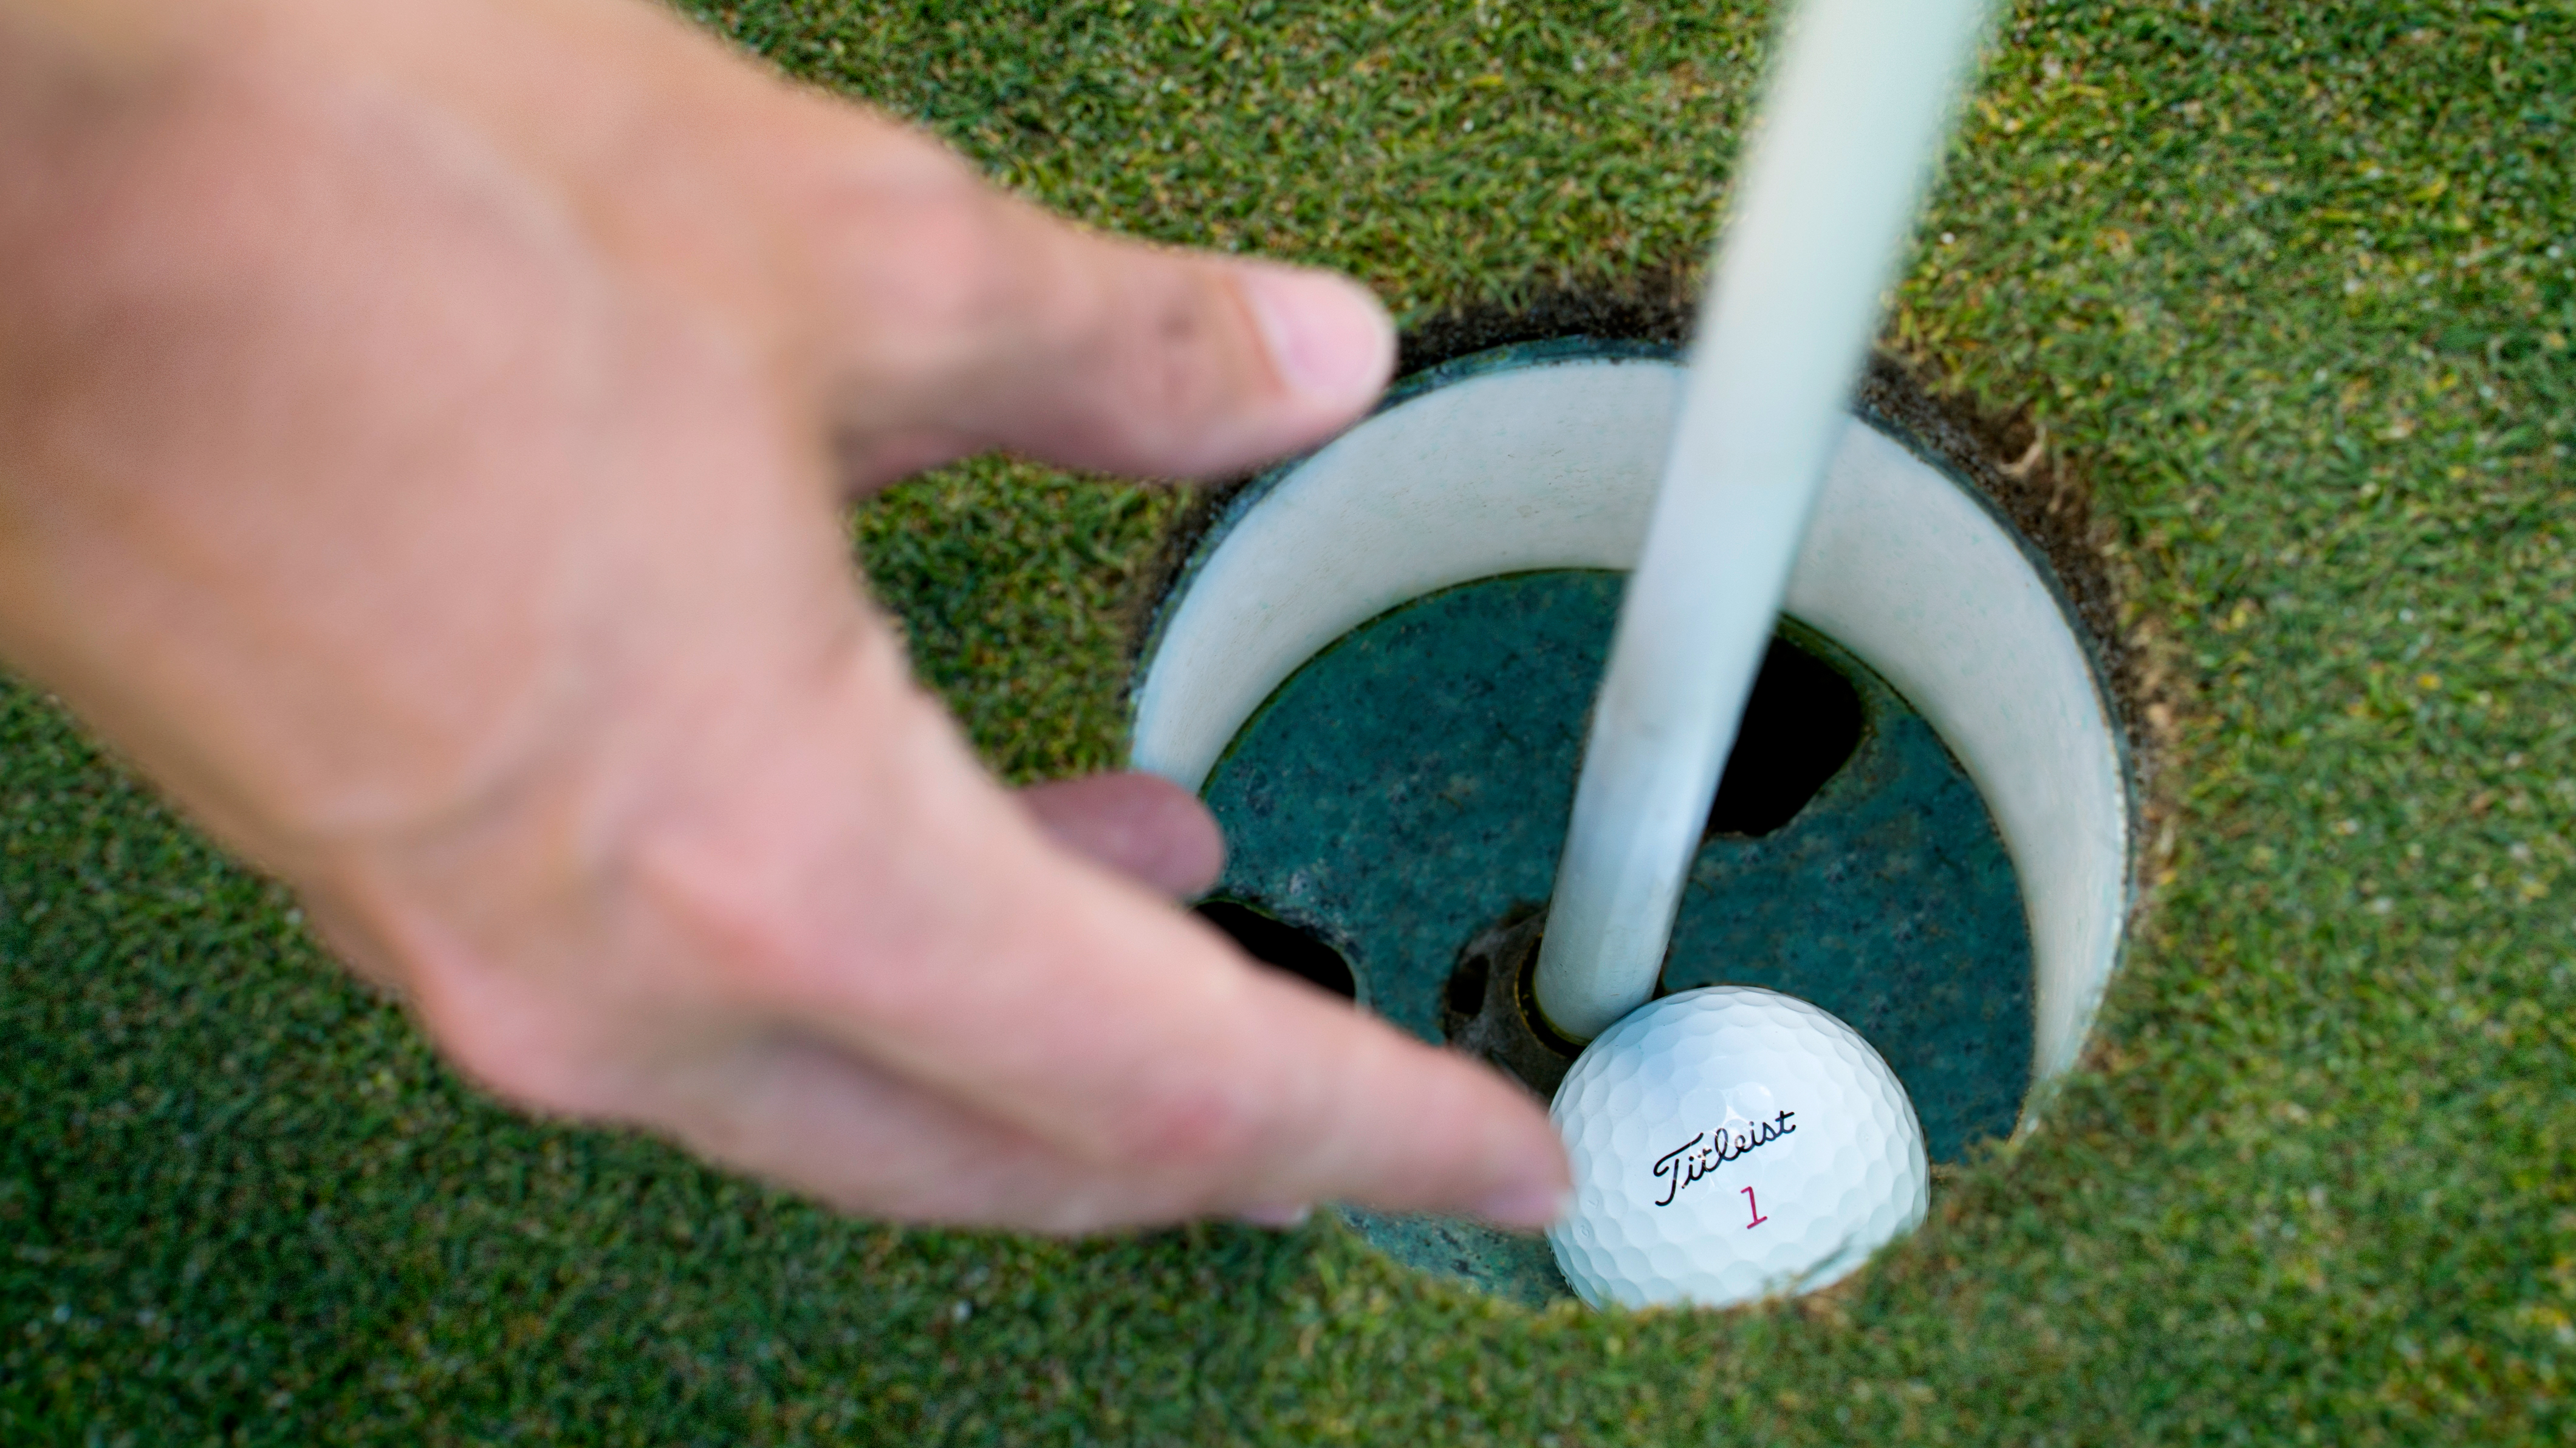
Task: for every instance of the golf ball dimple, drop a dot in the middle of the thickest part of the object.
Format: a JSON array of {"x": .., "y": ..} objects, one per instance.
[{"x": 1730, "y": 1143}]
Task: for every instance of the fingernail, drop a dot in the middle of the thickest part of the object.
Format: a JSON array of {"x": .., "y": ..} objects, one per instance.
[
  {"x": 1531, "y": 1206},
  {"x": 1282, "y": 1218},
  {"x": 1328, "y": 337}
]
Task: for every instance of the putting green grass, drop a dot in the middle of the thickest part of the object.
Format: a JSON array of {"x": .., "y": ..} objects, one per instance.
[{"x": 2292, "y": 285}]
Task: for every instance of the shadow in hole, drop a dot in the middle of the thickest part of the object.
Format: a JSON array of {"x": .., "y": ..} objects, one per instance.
[
  {"x": 1282, "y": 946},
  {"x": 1801, "y": 725}
]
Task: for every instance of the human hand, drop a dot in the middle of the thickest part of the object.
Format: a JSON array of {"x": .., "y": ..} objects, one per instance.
[{"x": 423, "y": 433}]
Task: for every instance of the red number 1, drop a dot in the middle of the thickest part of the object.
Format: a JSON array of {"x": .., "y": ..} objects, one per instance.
[{"x": 1758, "y": 1218}]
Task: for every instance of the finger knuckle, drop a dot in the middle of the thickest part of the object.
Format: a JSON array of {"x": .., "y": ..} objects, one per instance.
[
  {"x": 726, "y": 906},
  {"x": 1191, "y": 1130},
  {"x": 1178, "y": 366}
]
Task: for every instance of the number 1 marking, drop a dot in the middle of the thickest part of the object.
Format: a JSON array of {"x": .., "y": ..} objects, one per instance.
[{"x": 1758, "y": 1218}]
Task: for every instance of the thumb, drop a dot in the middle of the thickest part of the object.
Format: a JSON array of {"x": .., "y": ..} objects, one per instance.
[
  {"x": 1172, "y": 363},
  {"x": 1144, "y": 827},
  {"x": 953, "y": 318}
]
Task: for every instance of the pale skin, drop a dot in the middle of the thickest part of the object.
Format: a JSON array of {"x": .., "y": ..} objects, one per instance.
[{"x": 424, "y": 432}]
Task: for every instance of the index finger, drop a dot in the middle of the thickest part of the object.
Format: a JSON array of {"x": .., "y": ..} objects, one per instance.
[{"x": 990, "y": 965}]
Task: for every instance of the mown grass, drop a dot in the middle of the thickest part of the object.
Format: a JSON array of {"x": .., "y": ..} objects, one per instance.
[{"x": 2293, "y": 287}]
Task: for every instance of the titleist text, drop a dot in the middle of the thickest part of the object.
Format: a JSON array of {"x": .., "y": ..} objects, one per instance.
[{"x": 1705, "y": 1152}]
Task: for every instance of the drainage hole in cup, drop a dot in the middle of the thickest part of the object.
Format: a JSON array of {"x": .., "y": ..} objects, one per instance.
[
  {"x": 1801, "y": 725},
  {"x": 1282, "y": 946}
]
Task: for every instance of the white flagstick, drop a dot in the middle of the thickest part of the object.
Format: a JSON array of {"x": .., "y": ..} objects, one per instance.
[{"x": 1860, "y": 101}]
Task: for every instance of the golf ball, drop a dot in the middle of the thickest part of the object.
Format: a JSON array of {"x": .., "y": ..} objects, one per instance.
[{"x": 1730, "y": 1143}]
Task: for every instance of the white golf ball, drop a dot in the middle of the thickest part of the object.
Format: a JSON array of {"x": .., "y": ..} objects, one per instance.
[{"x": 1731, "y": 1143}]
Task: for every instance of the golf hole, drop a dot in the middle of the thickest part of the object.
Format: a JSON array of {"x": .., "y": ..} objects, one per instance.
[
  {"x": 1376, "y": 662},
  {"x": 1466, "y": 993}
]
